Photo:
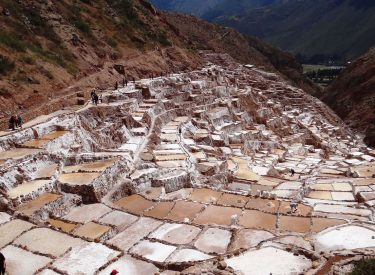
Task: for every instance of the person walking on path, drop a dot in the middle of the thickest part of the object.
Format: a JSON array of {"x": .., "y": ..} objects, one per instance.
[
  {"x": 12, "y": 122},
  {"x": 19, "y": 121},
  {"x": 96, "y": 99},
  {"x": 92, "y": 97},
  {"x": 2, "y": 264}
]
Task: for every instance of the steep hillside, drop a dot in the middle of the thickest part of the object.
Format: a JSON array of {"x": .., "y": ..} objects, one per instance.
[
  {"x": 48, "y": 46},
  {"x": 203, "y": 35},
  {"x": 212, "y": 8},
  {"x": 50, "y": 50},
  {"x": 352, "y": 95},
  {"x": 338, "y": 28}
]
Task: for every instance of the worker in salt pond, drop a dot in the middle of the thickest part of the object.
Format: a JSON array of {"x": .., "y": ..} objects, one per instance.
[{"x": 2, "y": 264}]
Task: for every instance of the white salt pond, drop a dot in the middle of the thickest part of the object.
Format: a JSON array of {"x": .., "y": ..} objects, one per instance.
[
  {"x": 347, "y": 237},
  {"x": 269, "y": 260}
]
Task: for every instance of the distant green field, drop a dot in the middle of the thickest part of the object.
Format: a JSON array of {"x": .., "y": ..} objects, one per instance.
[
  {"x": 322, "y": 74},
  {"x": 312, "y": 67}
]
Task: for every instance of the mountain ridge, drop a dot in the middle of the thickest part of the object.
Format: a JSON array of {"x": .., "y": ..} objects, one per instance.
[{"x": 318, "y": 31}]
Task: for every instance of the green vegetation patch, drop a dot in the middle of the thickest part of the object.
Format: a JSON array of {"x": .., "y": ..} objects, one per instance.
[
  {"x": 80, "y": 24},
  {"x": 321, "y": 74},
  {"x": 111, "y": 42},
  {"x": 364, "y": 267},
  {"x": 6, "y": 65},
  {"x": 12, "y": 41},
  {"x": 27, "y": 59},
  {"x": 126, "y": 11}
]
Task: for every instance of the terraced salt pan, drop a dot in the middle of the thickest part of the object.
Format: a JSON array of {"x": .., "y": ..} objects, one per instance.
[
  {"x": 295, "y": 241},
  {"x": 294, "y": 224},
  {"x": 91, "y": 230},
  {"x": 218, "y": 215},
  {"x": 326, "y": 208},
  {"x": 269, "y": 260},
  {"x": 243, "y": 171},
  {"x": 19, "y": 261},
  {"x": 172, "y": 164},
  {"x": 62, "y": 225},
  {"x": 129, "y": 147},
  {"x": 9, "y": 231},
  {"x": 47, "y": 241},
  {"x": 134, "y": 233},
  {"x": 232, "y": 200},
  {"x": 186, "y": 255},
  {"x": 36, "y": 143},
  {"x": 27, "y": 188},
  {"x": 213, "y": 240},
  {"x": 46, "y": 172},
  {"x": 347, "y": 237},
  {"x": 135, "y": 204},
  {"x": 85, "y": 259},
  {"x": 54, "y": 135},
  {"x": 97, "y": 166},
  {"x": 183, "y": 193},
  {"x": 321, "y": 195},
  {"x": 170, "y": 157},
  {"x": 248, "y": 238},
  {"x": 153, "y": 251},
  {"x": 176, "y": 233},
  {"x": 128, "y": 265},
  {"x": 87, "y": 213},
  {"x": 320, "y": 224},
  {"x": 265, "y": 205},
  {"x": 183, "y": 211},
  {"x": 48, "y": 272},
  {"x": 4, "y": 217},
  {"x": 161, "y": 210},
  {"x": 119, "y": 219},
  {"x": 289, "y": 185},
  {"x": 153, "y": 193},
  {"x": 168, "y": 152},
  {"x": 78, "y": 178},
  {"x": 205, "y": 195},
  {"x": 257, "y": 220},
  {"x": 18, "y": 153},
  {"x": 31, "y": 207}
]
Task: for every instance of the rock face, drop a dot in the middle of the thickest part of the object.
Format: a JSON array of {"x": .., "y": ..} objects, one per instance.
[
  {"x": 205, "y": 172},
  {"x": 352, "y": 95}
]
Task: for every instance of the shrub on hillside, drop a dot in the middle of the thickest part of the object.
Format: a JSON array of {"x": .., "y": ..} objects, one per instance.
[
  {"x": 6, "y": 65},
  {"x": 364, "y": 267},
  {"x": 11, "y": 41}
]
